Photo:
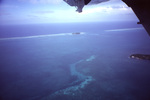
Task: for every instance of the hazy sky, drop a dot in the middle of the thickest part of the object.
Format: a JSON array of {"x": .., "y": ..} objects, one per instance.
[{"x": 56, "y": 11}]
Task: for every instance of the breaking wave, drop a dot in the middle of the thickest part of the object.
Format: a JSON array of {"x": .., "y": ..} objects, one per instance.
[
  {"x": 125, "y": 29},
  {"x": 39, "y": 36}
]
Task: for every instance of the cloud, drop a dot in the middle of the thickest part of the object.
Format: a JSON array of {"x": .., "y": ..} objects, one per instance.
[
  {"x": 108, "y": 8},
  {"x": 32, "y": 16},
  {"x": 44, "y": 12},
  {"x": 43, "y": 1},
  {"x": 119, "y": 7}
]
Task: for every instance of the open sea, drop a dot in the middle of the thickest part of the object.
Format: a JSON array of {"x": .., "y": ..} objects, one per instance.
[{"x": 74, "y": 61}]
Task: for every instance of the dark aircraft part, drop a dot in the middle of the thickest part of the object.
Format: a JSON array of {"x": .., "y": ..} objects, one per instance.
[
  {"x": 142, "y": 10},
  {"x": 86, "y": 1},
  {"x": 70, "y": 2},
  {"x": 140, "y": 56},
  {"x": 81, "y": 3},
  {"x": 77, "y": 3},
  {"x": 93, "y": 2}
]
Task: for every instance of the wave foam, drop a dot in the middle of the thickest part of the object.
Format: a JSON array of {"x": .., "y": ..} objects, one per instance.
[
  {"x": 39, "y": 36},
  {"x": 125, "y": 29}
]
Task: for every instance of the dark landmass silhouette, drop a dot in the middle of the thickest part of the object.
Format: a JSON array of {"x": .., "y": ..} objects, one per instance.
[{"x": 140, "y": 56}]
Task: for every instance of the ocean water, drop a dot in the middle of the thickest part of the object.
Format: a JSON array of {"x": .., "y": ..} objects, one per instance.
[{"x": 49, "y": 62}]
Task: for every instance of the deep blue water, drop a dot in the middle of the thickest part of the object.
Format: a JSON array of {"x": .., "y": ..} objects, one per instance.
[{"x": 44, "y": 64}]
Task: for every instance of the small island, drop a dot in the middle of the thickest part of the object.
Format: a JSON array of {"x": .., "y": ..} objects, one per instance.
[
  {"x": 76, "y": 33},
  {"x": 140, "y": 56}
]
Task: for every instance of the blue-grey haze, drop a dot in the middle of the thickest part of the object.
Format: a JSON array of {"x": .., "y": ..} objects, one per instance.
[{"x": 48, "y": 62}]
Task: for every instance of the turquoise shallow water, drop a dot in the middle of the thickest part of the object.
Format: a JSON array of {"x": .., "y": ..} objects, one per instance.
[{"x": 66, "y": 66}]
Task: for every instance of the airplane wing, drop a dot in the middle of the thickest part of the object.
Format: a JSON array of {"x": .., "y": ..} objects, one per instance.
[
  {"x": 77, "y": 3},
  {"x": 81, "y": 3},
  {"x": 142, "y": 10},
  {"x": 86, "y": 1}
]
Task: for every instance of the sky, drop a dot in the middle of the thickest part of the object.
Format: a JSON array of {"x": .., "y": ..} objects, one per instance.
[{"x": 57, "y": 11}]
